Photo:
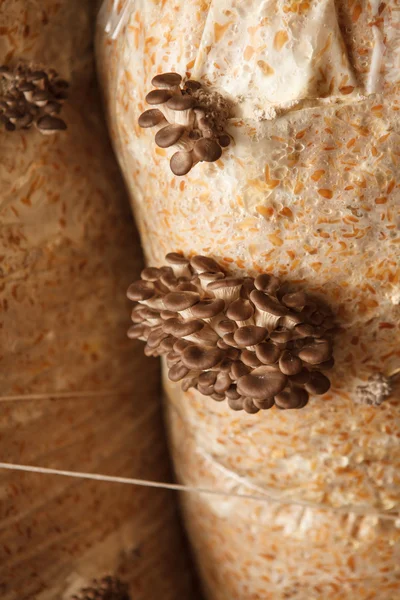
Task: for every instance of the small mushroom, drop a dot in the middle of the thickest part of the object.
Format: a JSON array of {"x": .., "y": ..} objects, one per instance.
[
  {"x": 262, "y": 383},
  {"x": 207, "y": 150},
  {"x": 169, "y": 135},
  {"x": 296, "y": 397},
  {"x": 250, "y": 407},
  {"x": 151, "y": 118},
  {"x": 289, "y": 364},
  {"x": 205, "y": 264},
  {"x": 250, "y": 359},
  {"x": 181, "y": 302},
  {"x": 179, "y": 264},
  {"x": 156, "y": 97},
  {"x": 318, "y": 384},
  {"x": 167, "y": 81},
  {"x": 140, "y": 290},
  {"x": 49, "y": 125},
  {"x": 228, "y": 288},
  {"x": 40, "y": 97},
  {"x": 267, "y": 283},
  {"x": 181, "y": 162},
  {"x": 181, "y": 107},
  {"x": 249, "y": 335},
  {"x": 201, "y": 359},
  {"x": 180, "y": 329},
  {"x": 241, "y": 311},
  {"x": 296, "y": 300},
  {"x": 316, "y": 352},
  {"x": 269, "y": 311},
  {"x": 267, "y": 353},
  {"x": 177, "y": 372}
]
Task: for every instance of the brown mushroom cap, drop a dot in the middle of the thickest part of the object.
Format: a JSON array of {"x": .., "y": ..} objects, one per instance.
[
  {"x": 169, "y": 135},
  {"x": 208, "y": 378},
  {"x": 49, "y": 124},
  {"x": 140, "y": 290},
  {"x": 318, "y": 351},
  {"x": 225, "y": 326},
  {"x": 226, "y": 283},
  {"x": 295, "y": 398},
  {"x": 267, "y": 283},
  {"x": 158, "y": 97},
  {"x": 222, "y": 383},
  {"x": 239, "y": 369},
  {"x": 207, "y": 149},
  {"x": 204, "y": 264},
  {"x": 198, "y": 358},
  {"x": 177, "y": 372},
  {"x": 236, "y": 403},
  {"x": 267, "y": 353},
  {"x": 176, "y": 301},
  {"x": 151, "y": 274},
  {"x": 182, "y": 328},
  {"x": 240, "y": 310},
  {"x": 266, "y": 303},
  {"x": 166, "y": 80},
  {"x": 150, "y": 118},
  {"x": 318, "y": 384},
  {"x": 176, "y": 259},
  {"x": 262, "y": 383},
  {"x": 249, "y": 335},
  {"x": 265, "y": 404},
  {"x": 250, "y": 407},
  {"x": 224, "y": 140},
  {"x": 181, "y": 163},
  {"x": 40, "y": 96},
  {"x": 206, "y": 309},
  {"x": 192, "y": 85},
  {"x": 181, "y": 103},
  {"x": 26, "y": 86},
  {"x": 295, "y": 300},
  {"x": 289, "y": 364},
  {"x": 250, "y": 359}
]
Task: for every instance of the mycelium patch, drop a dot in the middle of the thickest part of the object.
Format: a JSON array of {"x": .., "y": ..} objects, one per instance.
[
  {"x": 32, "y": 97},
  {"x": 107, "y": 588},
  {"x": 249, "y": 341},
  {"x": 190, "y": 121}
]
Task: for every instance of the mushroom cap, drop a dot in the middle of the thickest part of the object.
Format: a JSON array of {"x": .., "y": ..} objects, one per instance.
[
  {"x": 195, "y": 357},
  {"x": 50, "y": 123},
  {"x": 318, "y": 384},
  {"x": 178, "y": 102},
  {"x": 26, "y": 86},
  {"x": 225, "y": 326},
  {"x": 267, "y": 283},
  {"x": 181, "y": 162},
  {"x": 227, "y": 282},
  {"x": 239, "y": 369},
  {"x": 40, "y": 95},
  {"x": 174, "y": 258},
  {"x": 295, "y": 300},
  {"x": 222, "y": 383},
  {"x": 191, "y": 84},
  {"x": 280, "y": 337},
  {"x": 151, "y": 274},
  {"x": 236, "y": 403},
  {"x": 180, "y": 329},
  {"x": 262, "y": 383},
  {"x": 316, "y": 352},
  {"x": 289, "y": 364},
  {"x": 166, "y": 80},
  {"x": 140, "y": 290},
  {"x": 167, "y": 344},
  {"x": 36, "y": 75},
  {"x": 267, "y": 353},
  {"x": 176, "y": 301},
  {"x": 250, "y": 359},
  {"x": 205, "y": 264},
  {"x": 169, "y": 135},
  {"x": 208, "y": 378},
  {"x": 250, "y": 407},
  {"x": 265, "y": 404},
  {"x": 206, "y": 309},
  {"x": 207, "y": 149},
  {"x": 296, "y": 397},
  {"x": 177, "y": 372},
  {"x": 240, "y": 310},
  {"x": 158, "y": 97},
  {"x": 249, "y": 335},
  {"x": 150, "y": 118},
  {"x": 267, "y": 304},
  {"x": 207, "y": 278},
  {"x": 52, "y": 108}
]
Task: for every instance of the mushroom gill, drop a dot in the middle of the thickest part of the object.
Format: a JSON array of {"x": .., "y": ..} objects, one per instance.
[
  {"x": 32, "y": 97},
  {"x": 244, "y": 340},
  {"x": 191, "y": 121}
]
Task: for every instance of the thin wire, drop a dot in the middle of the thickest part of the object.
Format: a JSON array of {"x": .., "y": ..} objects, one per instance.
[{"x": 185, "y": 488}]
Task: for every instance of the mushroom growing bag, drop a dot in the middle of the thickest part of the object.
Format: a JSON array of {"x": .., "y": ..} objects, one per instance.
[
  {"x": 306, "y": 191},
  {"x": 75, "y": 395}
]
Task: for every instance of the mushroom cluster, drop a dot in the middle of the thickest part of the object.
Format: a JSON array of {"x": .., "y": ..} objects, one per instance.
[
  {"x": 107, "y": 588},
  {"x": 248, "y": 341},
  {"x": 189, "y": 119},
  {"x": 31, "y": 97}
]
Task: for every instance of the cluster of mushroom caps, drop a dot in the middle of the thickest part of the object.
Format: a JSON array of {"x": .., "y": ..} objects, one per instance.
[
  {"x": 189, "y": 119},
  {"x": 32, "y": 97},
  {"x": 107, "y": 588},
  {"x": 248, "y": 341}
]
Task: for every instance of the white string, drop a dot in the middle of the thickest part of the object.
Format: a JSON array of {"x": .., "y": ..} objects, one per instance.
[{"x": 186, "y": 488}]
